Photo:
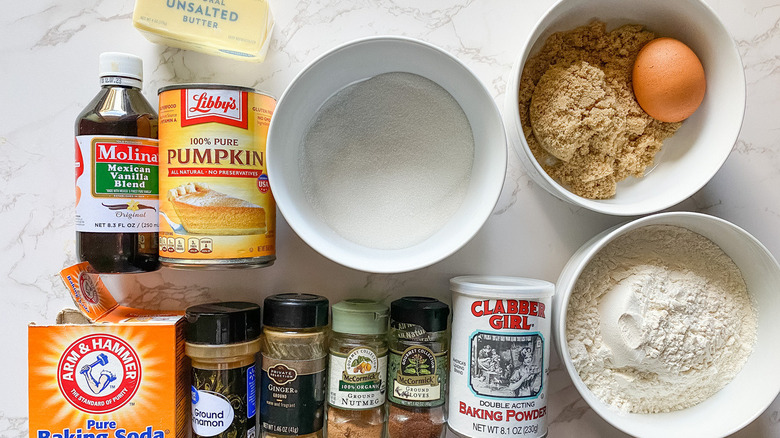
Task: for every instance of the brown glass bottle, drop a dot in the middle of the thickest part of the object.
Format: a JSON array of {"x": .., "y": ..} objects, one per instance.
[{"x": 119, "y": 109}]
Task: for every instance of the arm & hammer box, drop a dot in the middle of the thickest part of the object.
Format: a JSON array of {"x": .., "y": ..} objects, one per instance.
[{"x": 120, "y": 373}]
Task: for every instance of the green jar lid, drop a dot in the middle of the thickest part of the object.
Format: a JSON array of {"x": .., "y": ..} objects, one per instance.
[{"x": 360, "y": 317}]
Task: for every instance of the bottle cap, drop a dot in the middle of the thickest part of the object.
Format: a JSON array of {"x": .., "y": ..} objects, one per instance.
[
  {"x": 429, "y": 313},
  {"x": 360, "y": 317},
  {"x": 295, "y": 311},
  {"x": 121, "y": 64},
  {"x": 223, "y": 323}
]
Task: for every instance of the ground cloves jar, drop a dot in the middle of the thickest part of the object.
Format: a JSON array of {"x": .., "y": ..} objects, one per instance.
[{"x": 418, "y": 367}]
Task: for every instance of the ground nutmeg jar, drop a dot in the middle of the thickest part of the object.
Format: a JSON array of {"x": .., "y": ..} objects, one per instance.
[
  {"x": 294, "y": 363},
  {"x": 417, "y": 367},
  {"x": 222, "y": 342},
  {"x": 358, "y": 370}
]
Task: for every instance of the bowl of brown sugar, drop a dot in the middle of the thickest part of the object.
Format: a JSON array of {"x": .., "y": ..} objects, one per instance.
[{"x": 572, "y": 113}]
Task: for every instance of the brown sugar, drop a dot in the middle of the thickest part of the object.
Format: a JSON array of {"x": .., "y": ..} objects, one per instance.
[{"x": 578, "y": 111}]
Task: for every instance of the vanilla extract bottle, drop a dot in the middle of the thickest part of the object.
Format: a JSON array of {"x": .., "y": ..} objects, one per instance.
[{"x": 116, "y": 172}]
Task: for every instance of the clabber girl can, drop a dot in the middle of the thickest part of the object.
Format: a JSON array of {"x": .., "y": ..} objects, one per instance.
[{"x": 500, "y": 354}]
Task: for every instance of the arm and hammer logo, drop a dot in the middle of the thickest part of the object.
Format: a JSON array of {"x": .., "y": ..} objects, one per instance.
[{"x": 99, "y": 373}]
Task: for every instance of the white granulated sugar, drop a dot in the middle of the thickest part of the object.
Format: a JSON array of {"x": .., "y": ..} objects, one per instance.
[
  {"x": 659, "y": 320},
  {"x": 387, "y": 161}
]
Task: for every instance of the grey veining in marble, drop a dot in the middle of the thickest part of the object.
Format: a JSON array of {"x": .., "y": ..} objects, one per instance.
[{"x": 49, "y": 73}]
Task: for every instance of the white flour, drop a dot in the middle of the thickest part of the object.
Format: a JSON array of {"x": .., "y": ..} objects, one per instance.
[{"x": 659, "y": 321}]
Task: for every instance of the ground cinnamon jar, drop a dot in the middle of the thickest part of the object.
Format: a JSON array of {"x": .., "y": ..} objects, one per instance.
[
  {"x": 222, "y": 342},
  {"x": 417, "y": 367},
  {"x": 358, "y": 370}
]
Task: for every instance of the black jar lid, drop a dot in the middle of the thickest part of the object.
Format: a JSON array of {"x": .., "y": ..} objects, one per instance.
[
  {"x": 295, "y": 311},
  {"x": 223, "y": 323},
  {"x": 429, "y": 313}
]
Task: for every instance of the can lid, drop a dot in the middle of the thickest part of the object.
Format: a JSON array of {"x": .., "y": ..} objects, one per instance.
[
  {"x": 360, "y": 317},
  {"x": 293, "y": 310},
  {"x": 223, "y": 323},
  {"x": 429, "y": 313},
  {"x": 121, "y": 64},
  {"x": 486, "y": 285}
]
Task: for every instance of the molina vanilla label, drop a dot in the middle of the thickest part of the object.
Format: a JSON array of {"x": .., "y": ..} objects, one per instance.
[{"x": 116, "y": 184}]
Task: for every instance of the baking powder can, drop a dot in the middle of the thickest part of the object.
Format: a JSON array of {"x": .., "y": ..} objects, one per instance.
[
  {"x": 216, "y": 205},
  {"x": 500, "y": 354}
]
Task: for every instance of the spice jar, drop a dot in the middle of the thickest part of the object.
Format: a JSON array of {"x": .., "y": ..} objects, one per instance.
[
  {"x": 222, "y": 342},
  {"x": 417, "y": 367},
  {"x": 358, "y": 370},
  {"x": 294, "y": 358}
]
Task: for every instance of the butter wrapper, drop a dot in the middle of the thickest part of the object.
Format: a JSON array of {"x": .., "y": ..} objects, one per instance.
[{"x": 237, "y": 29}]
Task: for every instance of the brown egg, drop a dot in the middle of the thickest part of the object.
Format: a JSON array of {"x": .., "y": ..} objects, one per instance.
[{"x": 668, "y": 80}]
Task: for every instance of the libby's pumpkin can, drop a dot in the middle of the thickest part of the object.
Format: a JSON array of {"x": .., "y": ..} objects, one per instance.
[{"x": 216, "y": 205}]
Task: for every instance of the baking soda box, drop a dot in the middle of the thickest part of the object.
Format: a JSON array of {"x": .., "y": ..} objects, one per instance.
[{"x": 120, "y": 373}]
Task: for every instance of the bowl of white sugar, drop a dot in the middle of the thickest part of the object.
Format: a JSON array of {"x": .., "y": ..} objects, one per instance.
[
  {"x": 386, "y": 154},
  {"x": 667, "y": 327}
]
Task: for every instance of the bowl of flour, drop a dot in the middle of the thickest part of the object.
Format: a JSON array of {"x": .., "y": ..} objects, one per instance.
[
  {"x": 386, "y": 154},
  {"x": 666, "y": 325}
]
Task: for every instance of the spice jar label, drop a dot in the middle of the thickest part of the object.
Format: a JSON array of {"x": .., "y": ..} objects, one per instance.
[
  {"x": 292, "y": 395},
  {"x": 116, "y": 184},
  {"x": 357, "y": 379},
  {"x": 417, "y": 376},
  {"x": 223, "y": 402},
  {"x": 211, "y": 413}
]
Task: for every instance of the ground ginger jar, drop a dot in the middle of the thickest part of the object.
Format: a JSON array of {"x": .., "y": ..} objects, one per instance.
[{"x": 294, "y": 365}]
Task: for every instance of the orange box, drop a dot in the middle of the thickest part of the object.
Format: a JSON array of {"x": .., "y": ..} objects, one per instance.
[{"x": 122, "y": 374}]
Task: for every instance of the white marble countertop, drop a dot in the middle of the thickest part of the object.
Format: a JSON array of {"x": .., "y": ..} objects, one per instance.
[{"x": 49, "y": 73}]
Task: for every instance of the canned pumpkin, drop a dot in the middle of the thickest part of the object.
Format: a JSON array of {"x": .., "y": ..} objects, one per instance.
[{"x": 216, "y": 206}]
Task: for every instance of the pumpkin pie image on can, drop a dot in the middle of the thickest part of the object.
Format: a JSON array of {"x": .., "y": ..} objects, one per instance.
[
  {"x": 206, "y": 211},
  {"x": 216, "y": 205}
]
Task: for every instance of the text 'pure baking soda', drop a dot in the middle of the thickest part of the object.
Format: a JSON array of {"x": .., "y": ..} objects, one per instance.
[
  {"x": 216, "y": 206},
  {"x": 500, "y": 356},
  {"x": 121, "y": 376}
]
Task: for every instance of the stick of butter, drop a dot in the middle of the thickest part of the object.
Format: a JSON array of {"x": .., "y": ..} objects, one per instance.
[{"x": 238, "y": 29}]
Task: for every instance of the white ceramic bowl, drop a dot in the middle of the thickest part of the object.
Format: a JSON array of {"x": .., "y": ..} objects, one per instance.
[
  {"x": 751, "y": 391},
  {"x": 363, "y": 59},
  {"x": 694, "y": 154}
]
